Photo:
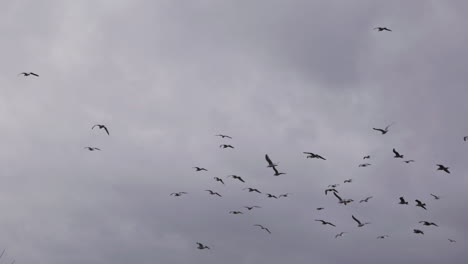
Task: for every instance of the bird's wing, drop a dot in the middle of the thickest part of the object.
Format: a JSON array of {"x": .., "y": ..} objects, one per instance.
[
  {"x": 378, "y": 129},
  {"x": 94, "y": 126},
  {"x": 276, "y": 171},
  {"x": 240, "y": 179},
  {"x": 419, "y": 202},
  {"x": 32, "y": 73},
  {"x": 396, "y": 153},
  {"x": 355, "y": 219},
  {"x": 308, "y": 153},
  {"x": 339, "y": 198},
  {"x": 107, "y": 131},
  {"x": 268, "y": 159}
]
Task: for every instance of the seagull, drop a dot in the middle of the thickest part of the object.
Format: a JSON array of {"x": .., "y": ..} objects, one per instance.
[
  {"x": 277, "y": 173},
  {"x": 330, "y": 190},
  {"x": 271, "y": 196},
  {"x": 382, "y": 237},
  {"x": 348, "y": 180},
  {"x": 223, "y": 136},
  {"x": 178, "y": 194},
  {"x": 236, "y": 177},
  {"x": 101, "y": 127},
  {"x": 408, "y": 161},
  {"x": 252, "y": 207},
  {"x": 213, "y": 193},
  {"x": 397, "y": 155},
  {"x": 283, "y": 195},
  {"x": 417, "y": 231},
  {"x": 435, "y": 196},
  {"x": 366, "y": 157},
  {"x": 92, "y": 148},
  {"x": 364, "y": 165},
  {"x": 383, "y": 131},
  {"x": 253, "y": 190},
  {"x": 28, "y": 73},
  {"x": 200, "y": 169},
  {"x": 333, "y": 185},
  {"x": 402, "y": 201},
  {"x": 219, "y": 180},
  {"x": 420, "y": 204},
  {"x": 270, "y": 163},
  {"x": 201, "y": 246},
  {"x": 313, "y": 156},
  {"x": 320, "y": 208},
  {"x": 340, "y": 234},
  {"x": 365, "y": 200},
  {"x": 236, "y": 212},
  {"x": 465, "y": 138},
  {"x": 264, "y": 228},
  {"x": 359, "y": 222},
  {"x": 226, "y": 146},
  {"x": 443, "y": 168},
  {"x": 382, "y": 29},
  {"x": 343, "y": 201},
  {"x": 325, "y": 222},
  {"x": 426, "y": 223},
  {"x": 451, "y": 240}
]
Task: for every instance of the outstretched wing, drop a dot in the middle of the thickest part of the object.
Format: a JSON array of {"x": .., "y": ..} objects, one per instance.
[
  {"x": 276, "y": 171},
  {"x": 396, "y": 153},
  {"x": 32, "y": 73},
  {"x": 107, "y": 131},
  {"x": 339, "y": 198},
  {"x": 268, "y": 160},
  {"x": 355, "y": 219}
]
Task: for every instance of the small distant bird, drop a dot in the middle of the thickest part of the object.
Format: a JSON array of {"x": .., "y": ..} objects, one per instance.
[
  {"x": 426, "y": 223},
  {"x": 92, "y": 148},
  {"x": 443, "y": 168},
  {"x": 364, "y": 165},
  {"x": 252, "y": 190},
  {"x": 408, "y": 161},
  {"x": 270, "y": 163},
  {"x": 451, "y": 240},
  {"x": 252, "y": 207},
  {"x": 219, "y": 180},
  {"x": 325, "y": 222},
  {"x": 397, "y": 155},
  {"x": 269, "y": 195},
  {"x": 213, "y": 193},
  {"x": 348, "y": 181},
  {"x": 333, "y": 185},
  {"x": 359, "y": 222},
  {"x": 264, "y": 228},
  {"x": 226, "y": 146},
  {"x": 277, "y": 173},
  {"x": 28, "y": 73},
  {"x": 330, "y": 190},
  {"x": 200, "y": 169},
  {"x": 236, "y": 212},
  {"x": 223, "y": 136},
  {"x": 320, "y": 208},
  {"x": 313, "y": 156},
  {"x": 201, "y": 246},
  {"x": 365, "y": 200},
  {"x": 383, "y": 131},
  {"x": 402, "y": 201},
  {"x": 178, "y": 194},
  {"x": 101, "y": 127},
  {"x": 382, "y": 237},
  {"x": 342, "y": 201},
  {"x": 366, "y": 157},
  {"x": 236, "y": 177},
  {"x": 382, "y": 29},
  {"x": 284, "y": 195},
  {"x": 340, "y": 234},
  {"x": 420, "y": 204},
  {"x": 417, "y": 231},
  {"x": 465, "y": 138},
  {"x": 435, "y": 196}
]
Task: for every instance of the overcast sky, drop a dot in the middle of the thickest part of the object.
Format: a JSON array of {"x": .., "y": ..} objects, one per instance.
[{"x": 280, "y": 77}]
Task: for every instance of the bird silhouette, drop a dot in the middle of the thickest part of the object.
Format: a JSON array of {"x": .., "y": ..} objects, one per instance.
[
  {"x": 408, "y": 161},
  {"x": 200, "y": 169},
  {"x": 417, "y": 231},
  {"x": 201, "y": 246},
  {"x": 313, "y": 156},
  {"x": 451, "y": 240},
  {"x": 382, "y": 29},
  {"x": 226, "y": 146},
  {"x": 435, "y": 196},
  {"x": 29, "y": 73},
  {"x": 465, "y": 138},
  {"x": 366, "y": 157},
  {"x": 348, "y": 181},
  {"x": 383, "y": 131},
  {"x": 364, "y": 165},
  {"x": 397, "y": 155},
  {"x": 284, "y": 195},
  {"x": 270, "y": 163},
  {"x": 236, "y": 212},
  {"x": 253, "y": 190},
  {"x": 382, "y": 237},
  {"x": 92, "y": 148},
  {"x": 365, "y": 200},
  {"x": 252, "y": 207},
  {"x": 178, "y": 194},
  {"x": 264, "y": 228},
  {"x": 320, "y": 208},
  {"x": 213, "y": 193},
  {"x": 223, "y": 136},
  {"x": 426, "y": 223},
  {"x": 334, "y": 185},
  {"x": 269, "y": 195},
  {"x": 340, "y": 234},
  {"x": 342, "y": 201},
  {"x": 420, "y": 204},
  {"x": 101, "y": 127},
  {"x": 359, "y": 222},
  {"x": 325, "y": 222},
  {"x": 443, "y": 168},
  {"x": 236, "y": 177},
  {"x": 219, "y": 180}
]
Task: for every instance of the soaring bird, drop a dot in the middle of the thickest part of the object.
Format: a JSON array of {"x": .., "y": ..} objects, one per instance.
[
  {"x": 343, "y": 201},
  {"x": 236, "y": 177},
  {"x": 264, "y": 228},
  {"x": 101, "y": 127},
  {"x": 365, "y": 200},
  {"x": 201, "y": 246},
  {"x": 408, "y": 161},
  {"x": 330, "y": 190},
  {"x": 226, "y": 146},
  {"x": 270, "y": 163},
  {"x": 426, "y": 223},
  {"x": 28, "y": 73},
  {"x": 325, "y": 222},
  {"x": 252, "y": 207},
  {"x": 213, "y": 193},
  {"x": 178, "y": 194},
  {"x": 340, "y": 234},
  {"x": 320, "y": 208},
  {"x": 382, "y": 237},
  {"x": 253, "y": 190},
  {"x": 443, "y": 168},
  {"x": 348, "y": 181},
  {"x": 451, "y": 240},
  {"x": 465, "y": 138},
  {"x": 277, "y": 173},
  {"x": 334, "y": 185},
  {"x": 402, "y": 201},
  {"x": 359, "y": 222},
  {"x": 420, "y": 204},
  {"x": 200, "y": 169},
  {"x": 435, "y": 196},
  {"x": 417, "y": 231},
  {"x": 269, "y": 195},
  {"x": 364, "y": 165},
  {"x": 366, "y": 157},
  {"x": 236, "y": 212},
  {"x": 397, "y": 155},
  {"x": 92, "y": 148},
  {"x": 219, "y": 180},
  {"x": 223, "y": 136},
  {"x": 382, "y": 29},
  {"x": 284, "y": 195},
  {"x": 313, "y": 156},
  {"x": 383, "y": 131}
]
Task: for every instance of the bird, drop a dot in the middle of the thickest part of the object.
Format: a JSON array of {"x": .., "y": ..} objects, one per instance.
[
  {"x": 223, "y": 136},
  {"x": 420, "y": 204},
  {"x": 270, "y": 163},
  {"x": 330, "y": 190},
  {"x": 284, "y": 195},
  {"x": 342, "y": 201},
  {"x": 269, "y": 195},
  {"x": 226, "y": 146},
  {"x": 200, "y": 169},
  {"x": 320, "y": 208},
  {"x": 277, "y": 173},
  {"x": 364, "y": 165},
  {"x": 359, "y": 222},
  {"x": 178, "y": 194},
  {"x": 236, "y": 177},
  {"x": 219, "y": 180},
  {"x": 92, "y": 148},
  {"x": 348, "y": 181},
  {"x": 402, "y": 201},
  {"x": 101, "y": 127},
  {"x": 334, "y": 185},
  {"x": 236, "y": 212},
  {"x": 382, "y": 29},
  {"x": 313, "y": 156},
  {"x": 408, "y": 161},
  {"x": 451, "y": 240},
  {"x": 397, "y": 155},
  {"x": 263, "y": 228},
  {"x": 213, "y": 193},
  {"x": 201, "y": 246},
  {"x": 253, "y": 190},
  {"x": 443, "y": 168},
  {"x": 325, "y": 222},
  {"x": 365, "y": 200},
  {"x": 465, "y": 138},
  {"x": 435, "y": 196},
  {"x": 383, "y": 131},
  {"x": 426, "y": 223},
  {"x": 382, "y": 237},
  {"x": 340, "y": 234},
  {"x": 252, "y": 207},
  {"x": 29, "y": 73},
  {"x": 417, "y": 231},
  {"x": 366, "y": 157}
]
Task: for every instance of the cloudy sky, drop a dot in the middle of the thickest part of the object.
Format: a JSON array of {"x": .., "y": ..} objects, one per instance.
[{"x": 280, "y": 77}]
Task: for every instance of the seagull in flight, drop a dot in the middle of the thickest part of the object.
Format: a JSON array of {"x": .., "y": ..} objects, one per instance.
[
  {"x": 313, "y": 156},
  {"x": 253, "y": 190},
  {"x": 443, "y": 168},
  {"x": 236, "y": 177},
  {"x": 236, "y": 212},
  {"x": 213, "y": 193},
  {"x": 402, "y": 201},
  {"x": 397, "y": 155},
  {"x": 284, "y": 195},
  {"x": 383, "y": 131},
  {"x": 29, "y": 73},
  {"x": 334, "y": 185},
  {"x": 101, "y": 127},
  {"x": 223, "y": 136},
  {"x": 366, "y": 157},
  {"x": 417, "y": 231},
  {"x": 465, "y": 138},
  {"x": 252, "y": 207},
  {"x": 320, "y": 208},
  {"x": 270, "y": 163},
  {"x": 269, "y": 195},
  {"x": 277, "y": 173},
  {"x": 340, "y": 234},
  {"x": 364, "y": 165},
  {"x": 92, "y": 148},
  {"x": 382, "y": 237},
  {"x": 200, "y": 169},
  {"x": 330, "y": 190},
  {"x": 451, "y": 240},
  {"x": 201, "y": 246},
  {"x": 348, "y": 181},
  {"x": 325, "y": 222},
  {"x": 177, "y": 194},
  {"x": 226, "y": 146},
  {"x": 359, "y": 222},
  {"x": 365, "y": 200},
  {"x": 420, "y": 204},
  {"x": 264, "y": 228},
  {"x": 342, "y": 201},
  {"x": 382, "y": 29},
  {"x": 219, "y": 180},
  {"x": 408, "y": 161},
  {"x": 426, "y": 223},
  {"x": 435, "y": 196}
]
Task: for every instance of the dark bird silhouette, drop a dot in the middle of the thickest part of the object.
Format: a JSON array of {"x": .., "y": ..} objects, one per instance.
[
  {"x": 200, "y": 169},
  {"x": 340, "y": 234},
  {"x": 277, "y": 173},
  {"x": 397, "y": 155},
  {"x": 343, "y": 201},
  {"x": 435, "y": 196},
  {"x": 382, "y": 29},
  {"x": 382, "y": 237},
  {"x": 417, "y": 231},
  {"x": 269, "y": 195},
  {"x": 364, "y": 165},
  {"x": 366, "y": 157},
  {"x": 320, "y": 208},
  {"x": 226, "y": 146},
  {"x": 313, "y": 156},
  {"x": 252, "y": 190},
  {"x": 465, "y": 138},
  {"x": 29, "y": 73},
  {"x": 223, "y": 136},
  {"x": 270, "y": 163},
  {"x": 284, "y": 195},
  {"x": 365, "y": 200},
  {"x": 402, "y": 201},
  {"x": 252, "y": 207},
  {"x": 178, "y": 194},
  {"x": 325, "y": 222},
  {"x": 201, "y": 246},
  {"x": 92, "y": 148},
  {"x": 426, "y": 223},
  {"x": 330, "y": 190},
  {"x": 236, "y": 212},
  {"x": 236, "y": 177},
  {"x": 420, "y": 204},
  {"x": 383, "y": 131},
  {"x": 334, "y": 185},
  {"x": 451, "y": 240},
  {"x": 213, "y": 193},
  {"x": 348, "y": 181},
  {"x": 408, "y": 161},
  {"x": 101, "y": 127},
  {"x": 359, "y": 222},
  {"x": 264, "y": 228},
  {"x": 219, "y": 180},
  {"x": 443, "y": 168}
]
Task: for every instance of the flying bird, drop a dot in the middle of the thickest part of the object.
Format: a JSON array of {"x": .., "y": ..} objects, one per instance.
[
  {"x": 277, "y": 173},
  {"x": 270, "y": 163},
  {"x": 236, "y": 177},
  {"x": 348, "y": 181},
  {"x": 252, "y": 207},
  {"x": 382, "y": 29},
  {"x": 269, "y": 195},
  {"x": 264, "y": 228},
  {"x": 226, "y": 146},
  {"x": 420, "y": 204},
  {"x": 382, "y": 237},
  {"x": 252, "y": 190},
  {"x": 364, "y": 165},
  {"x": 320, "y": 208},
  {"x": 29, "y": 73},
  {"x": 451, "y": 240},
  {"x": 342, "y": 201},
  {"x": 366, "y": 157},
  {"x": 92, "y": 148},
  {"x": 402, "y": 201},
  {"x": 408, "y": 161},
  {"x": 223, "y": 136},
  {"x": 465, "y": 138},
  {"x": 397, "y": 155},
  {"x": 284, "y": 195},
  {"x": 101, "y": 127},
  {"x": 417, "y": 231},
  {"x": 236, "y": 212},
  {"x": 313, "y": 156},
  {"x": 365, "y": 200},
  {"x": 333, "y": 185},
  {"x": 330, "y": 190},
  {"x": 219, "y": 180},
  {"x": 359, "y": 222},
  {"x": 383, "y": 131},
  {"x": 200, "y": 169},
  {"x": 201, "y": 246},
  {"x": 178, "y": 194},
  {"x": 443, "y": 168},
  {"x": 325, "y": 222},
  {"x": 426, "y": 223},
  {"x": 435, "y": 196},
  {"x": 340, "y": 234},
  {"x": 213, "y": 193}
]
